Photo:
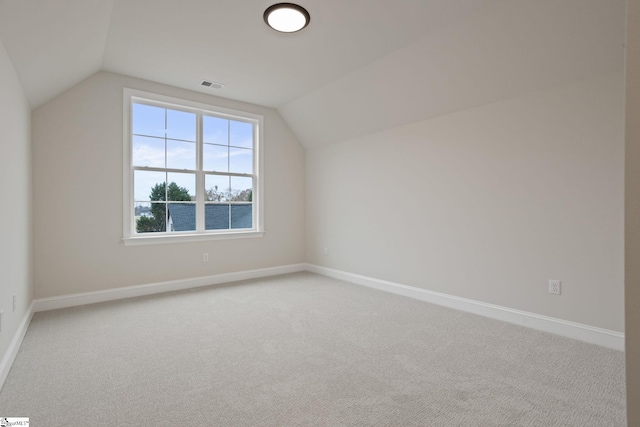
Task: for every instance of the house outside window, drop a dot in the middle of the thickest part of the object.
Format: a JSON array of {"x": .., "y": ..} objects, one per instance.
[{"x": 192, "y": 171}]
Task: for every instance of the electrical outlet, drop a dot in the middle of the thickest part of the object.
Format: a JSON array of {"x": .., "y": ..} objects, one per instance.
[
  {"x": 14, "y": 302},
  {"x": 326, "y": 251},
  {"x": 205, "y": 257},
  {"x": 554, "y": 287}
]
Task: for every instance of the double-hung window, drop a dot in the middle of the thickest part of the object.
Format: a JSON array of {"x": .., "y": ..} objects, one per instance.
[{"x": 192, "y": 171}]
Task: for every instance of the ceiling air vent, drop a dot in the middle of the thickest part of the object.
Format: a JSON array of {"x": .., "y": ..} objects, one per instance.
[{"x": 212, "y": 85}]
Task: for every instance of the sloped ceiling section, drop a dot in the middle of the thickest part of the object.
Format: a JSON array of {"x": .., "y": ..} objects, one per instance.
[
  {"x": 54, "y": 45},
  {"x": 511, "y": 49},
  {"x": 359, "y": 67}
]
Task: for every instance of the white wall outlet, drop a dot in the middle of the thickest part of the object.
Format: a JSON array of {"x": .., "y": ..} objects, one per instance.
[
  {"x": 325, "y": 251},
  {"x": 554, "y": 287},
  {"x": 205, "y": 257},
  {"x": 1, "y": 319},
  {"x": 14, "y": 302}
]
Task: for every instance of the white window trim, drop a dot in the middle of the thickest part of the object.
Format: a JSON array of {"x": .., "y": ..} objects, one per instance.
[{"x": 130, "y": 238}]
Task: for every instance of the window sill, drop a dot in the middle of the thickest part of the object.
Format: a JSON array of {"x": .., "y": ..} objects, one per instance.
[{"x": 184, "y": 238}]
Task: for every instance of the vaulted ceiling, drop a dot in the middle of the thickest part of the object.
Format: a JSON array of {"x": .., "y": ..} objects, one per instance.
[{"x": 359, "y": 67}]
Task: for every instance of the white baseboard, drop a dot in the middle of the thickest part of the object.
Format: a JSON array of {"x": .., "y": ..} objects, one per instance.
[
  {"x": 12, "y": 351},
  {"x": 44, "y": 304},
  {"x": 590, "y": 334},
  {"x": 72, "y": 300},
  {"x": 578, "y": 331}
]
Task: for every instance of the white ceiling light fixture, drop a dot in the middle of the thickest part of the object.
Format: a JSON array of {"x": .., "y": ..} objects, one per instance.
[{"x": 286, "y": 17}]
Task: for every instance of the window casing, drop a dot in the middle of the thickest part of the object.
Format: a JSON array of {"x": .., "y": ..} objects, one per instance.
[{"x": 191, "y": 171}]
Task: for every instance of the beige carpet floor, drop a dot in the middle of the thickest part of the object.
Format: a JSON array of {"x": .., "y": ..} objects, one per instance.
[{"x": 303, "y": 350}]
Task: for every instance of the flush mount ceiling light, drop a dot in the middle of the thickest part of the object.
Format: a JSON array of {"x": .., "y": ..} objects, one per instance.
[{"x": 286, "y": 17}]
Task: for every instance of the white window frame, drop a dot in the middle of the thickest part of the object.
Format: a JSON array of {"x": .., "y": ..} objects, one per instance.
[{"x": 130, "y": 236}]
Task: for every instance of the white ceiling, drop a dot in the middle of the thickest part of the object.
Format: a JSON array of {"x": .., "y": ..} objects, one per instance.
[
  {"x": 359, "y": 67},
  {"x": 515, "y": 48}
]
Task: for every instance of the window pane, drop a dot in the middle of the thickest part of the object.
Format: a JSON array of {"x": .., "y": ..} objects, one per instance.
[
  {"x": 148, "y": 120},
  {"x": 182, "y": 216},
  {"x": 216, "y": 216},
  {"x": 241, "y": 215},
  {"x": 215, "y": 130},
  {"x": 142, "y": 209},
  {"x": 241, "y": 134},
  {"x": 155, "y": 222},
  {"x": 240, "y": 160},
  {"x": 148, "y": 185},
  {"x": 148, "y": 151},
  {"x": 215, "y": 158},
  {"x": 181, "y": 125},
  {"x": 241, "y": 189},
  {"x": 182, "y": 187},
  {"x": 216, "y": 188},
  {"x": 181, "y": 155}
]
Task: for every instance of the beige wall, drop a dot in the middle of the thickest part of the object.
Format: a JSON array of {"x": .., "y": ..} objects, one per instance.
[
  {"x": 15, "y": 208},
  {"x": 77, "y": 159},
  {"x": 488, "y": 203},
  {"x": 632, "y": 213}
]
